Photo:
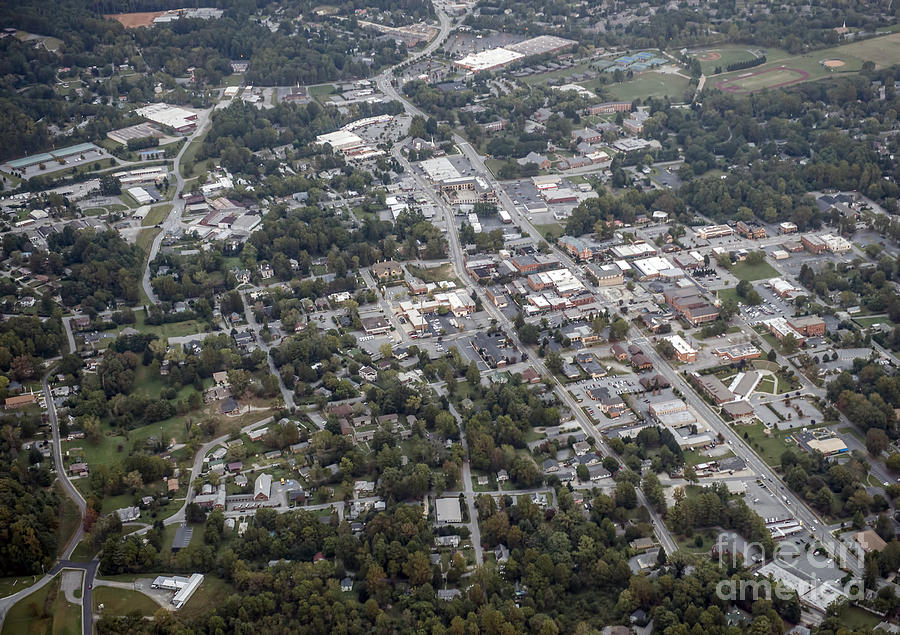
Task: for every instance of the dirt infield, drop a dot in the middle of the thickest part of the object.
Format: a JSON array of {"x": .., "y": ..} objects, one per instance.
[
  {"x": 710, "y": 56},
  {"x": 833, "y": 63},
  {"x": 776, "y": 77},
  {"x": 135, "y": 20}
]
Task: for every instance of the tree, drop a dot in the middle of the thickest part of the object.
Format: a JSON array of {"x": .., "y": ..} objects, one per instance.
[
  {"x": 690, "y": 475},
  {"x": 554, "y": 362},
  {"x": 626, "y": 496},
  {"x": 417, "y": 568},
  {"x": 473, "y": 375},
  {"x": 877, "y": 441},
  {"x": 789, "y": 344},
  {"x": 618, "y": 329},
  {"x": 110, "y": 186},
  {"x": 582, "y": 472}
]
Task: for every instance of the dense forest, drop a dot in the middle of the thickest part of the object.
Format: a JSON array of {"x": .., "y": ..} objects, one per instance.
[{"x": 29, "y": 509}]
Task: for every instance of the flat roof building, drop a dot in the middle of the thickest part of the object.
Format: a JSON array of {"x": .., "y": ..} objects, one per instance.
[{"x": 447, "y": 510}]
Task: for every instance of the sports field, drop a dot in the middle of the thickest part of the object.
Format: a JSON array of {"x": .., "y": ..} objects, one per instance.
[
  {"x": 792, "y": 69},
  {"x": 751, "y": 81},
  {"x": 649, "y": 84},
  {"x": 722, "y": 56}
]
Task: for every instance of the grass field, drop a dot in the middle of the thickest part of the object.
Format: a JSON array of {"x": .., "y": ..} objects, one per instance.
[
  {"x": 45, "y": 611},
  {"x": 554, "y": 229},
  {"x": 83, "y": 551},
  {"x": 173, "y": 329},
  {"x": 434, "y": 274},
  {"x": 869, "y": 321},
  {"x": 750, "y": 81},
  {"x": 187, "y": 159},
  {"x": 156, "y": 215},
  {"x": 883, "y": 51},
  {"x": 730, "y": 55},
  {"x": 853, "y": 617},
  {"x": 14, "y": 584},
  {"x": 649, "y": 84},
  {"x": 122, "y": 601},
  {"x": 745, "y": 271},
  {"x": 69, "y": 519}
]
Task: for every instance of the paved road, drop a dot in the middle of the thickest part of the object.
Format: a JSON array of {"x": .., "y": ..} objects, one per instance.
[
  {"x": 286, "y": 395},
  {"x": 469, "y": 491},
  {"x": 173, "y": 220},
  {"x": 63, "y": 477},
  {"x": 90, "y": 568},
  {"x": 457, "y": 259},
  {"x": 197, "y": 467}
]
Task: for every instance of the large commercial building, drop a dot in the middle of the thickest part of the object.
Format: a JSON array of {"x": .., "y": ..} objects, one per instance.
[
  {"x": 684, "y": 352},
  {"x": 178, "y": 119},
  {"x": 495, "y": 58},
  {"x": 713, "y": 231}
]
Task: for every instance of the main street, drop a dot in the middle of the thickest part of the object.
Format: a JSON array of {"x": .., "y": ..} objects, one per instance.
[
  {"x": 793, "y": 504},
  {"x": 173, "y": 221},
  {"x": 457, "y": 258}
]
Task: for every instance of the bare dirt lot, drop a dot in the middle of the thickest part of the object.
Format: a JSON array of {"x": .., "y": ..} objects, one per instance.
[{"x": 135, "y": 20}]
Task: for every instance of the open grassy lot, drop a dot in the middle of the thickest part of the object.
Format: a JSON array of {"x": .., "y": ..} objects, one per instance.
[
  {"x": 869, "y": 321},
  {"x": 123, "y": 601},
  {"x": 156, "y": 215},
  {"x": 853, "y": 617},
  {"x": 769, "y": 447},
  {"x": 172, "y": 329},
  {"x": 746, "y": 271},
  {"x": 69, "y": 519},
  {"x": 554, "y": 229},
  {"x": 187, "y": 160},
  {"x": 649, "y": 84},
  {"x": 750, "y": 81},
  {"x": 14, "y": 584},
  {"x": 884, "y": 51},
  {"x": 725, "y": 294},
  {"x": 433, "y": 274},
  {"x": 44, "y": 612},
  {"x": 212, "y": 593}
]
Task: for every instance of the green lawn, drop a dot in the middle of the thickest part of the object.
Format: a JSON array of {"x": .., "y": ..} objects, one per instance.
[
  {"x": 156, "y": 215},
  {"x": 543, "y": 78},
  {"x": 433, "y": 274},
  {"x": 768, "y": 447},
  {"x": 745, "y": 271},
  {"x": 884, "y": 51},
  {"x": 554, "y": 229},
  {"x": 725, "y": 294},
  {"x": 83, "y": 551},
  {"x": 212, "y": 593},
  {"x": 731, "y": 54},
  {"x": 866, "y": 322},
  {"x": 123, "y": 601},
  {"x": 172, "y": 329},
  {"x": 649, "y": 84},
  {"x": 14, "y": 584},
  {"x": 321, "y": 90},
  {"x": 69, "y": 519},
  {"x": 855, "y": 618},
  {"x": 189, "y": 156},
  {"x": 766, "y": 384},
  {"x": 45, "y": 611}
]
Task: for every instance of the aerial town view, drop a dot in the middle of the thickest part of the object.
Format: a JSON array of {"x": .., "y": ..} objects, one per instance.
[{"x": 450, "y": 317}]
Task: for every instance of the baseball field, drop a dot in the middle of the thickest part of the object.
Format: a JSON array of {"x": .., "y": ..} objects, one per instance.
[{"x": 779, "y": 72}]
